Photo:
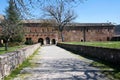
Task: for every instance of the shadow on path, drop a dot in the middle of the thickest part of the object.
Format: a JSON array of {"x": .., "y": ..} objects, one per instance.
[{"x": 61, "y": 68}]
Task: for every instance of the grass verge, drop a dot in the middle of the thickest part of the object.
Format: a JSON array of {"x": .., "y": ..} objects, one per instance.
[
  {"x": 26, "y": 63},
  {"x": 109, "y": 44},
  {"x": 10, "y": 49},
  {"x": 113, "y": 71}
]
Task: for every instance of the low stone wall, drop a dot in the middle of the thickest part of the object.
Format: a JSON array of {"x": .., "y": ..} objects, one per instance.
[
  {"x": 10, "y": 61},
  {"x": 106, "y": 54}
]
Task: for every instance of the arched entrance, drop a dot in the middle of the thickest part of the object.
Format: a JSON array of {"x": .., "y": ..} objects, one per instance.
[
  {"x": 53, "y": 41},
  {"x": 47, "y": 40},
  {"x": 40, "y": 40}
]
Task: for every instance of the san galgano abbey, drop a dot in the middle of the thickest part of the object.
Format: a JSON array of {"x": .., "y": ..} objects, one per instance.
[{"x": 39, "y": 31}]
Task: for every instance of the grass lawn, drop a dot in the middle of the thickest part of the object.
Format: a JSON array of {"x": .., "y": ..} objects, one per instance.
[
  {"x": 10, "y": 49},
  {"x": 99, "y": 44}
]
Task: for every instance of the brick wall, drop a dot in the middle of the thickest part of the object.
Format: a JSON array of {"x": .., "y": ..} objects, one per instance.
[
  {"x": 35, "y": 33},
  {"x": 12, "y": 60},
  {"x": 106, "y": 54},
  {"x": 90, "y": 34}
]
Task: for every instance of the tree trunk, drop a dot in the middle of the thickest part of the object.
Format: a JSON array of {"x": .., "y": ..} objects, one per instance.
[
  {"x": 61, "y": 35},
  {"x": 6, "y": 46}
]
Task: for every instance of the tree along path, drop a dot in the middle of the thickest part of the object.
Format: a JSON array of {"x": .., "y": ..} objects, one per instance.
[{"x": 54, "y": 63}]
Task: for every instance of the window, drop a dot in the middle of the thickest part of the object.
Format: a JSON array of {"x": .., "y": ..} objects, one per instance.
[
  {"x": 47, "y": 29},
  {"x": 35, "y": 30},
  {"x": 91, "y": 29},
  {"x": 108, "y": 29},
  {"x": 30, "y": 30},
  {"x": 87, "y": 30},
  {"x": 29, "y": 39},
  {"x": 81, "y": 29},
  {"x": 42, "y": 30},
  {"x": 98, "y": 30},
  {"x": 52, "y": 30}
]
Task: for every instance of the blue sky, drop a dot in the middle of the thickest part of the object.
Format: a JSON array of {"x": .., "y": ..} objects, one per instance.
[{"x": 91, "y": 11}]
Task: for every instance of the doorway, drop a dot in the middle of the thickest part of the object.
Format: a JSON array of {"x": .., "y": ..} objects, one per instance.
[
  {"x": 47, "y": 40},
  {"x": 53, "y": 41},
  {"x": 40, "y": 40}
]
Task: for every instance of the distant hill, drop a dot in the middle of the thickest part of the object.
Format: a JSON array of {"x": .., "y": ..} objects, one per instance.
[{"x": 117, "y": 29}]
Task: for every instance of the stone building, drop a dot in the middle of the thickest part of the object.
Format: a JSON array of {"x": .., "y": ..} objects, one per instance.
[
  {"x": 45, "y": 32},
  {"x": 37, "y": 31},
  {"x": 116, "y": 37}
]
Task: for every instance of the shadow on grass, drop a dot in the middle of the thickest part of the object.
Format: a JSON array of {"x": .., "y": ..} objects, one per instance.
[{"x": 2, "y": 50}]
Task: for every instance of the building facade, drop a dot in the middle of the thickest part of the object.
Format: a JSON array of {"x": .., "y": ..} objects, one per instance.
[
  {"x": 49, "y": 34},
  {"x": 45, "y": 32}
]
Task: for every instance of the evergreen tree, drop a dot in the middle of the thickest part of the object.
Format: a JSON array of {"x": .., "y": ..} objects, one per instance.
[
  {"x": 11, "y": 26},
  {"x": 12, "y": 14}
]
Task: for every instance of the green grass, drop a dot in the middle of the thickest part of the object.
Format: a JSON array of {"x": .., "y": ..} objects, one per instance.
[
  {"x": 10, "y": 49},
  {"x": 98, "y": 44},
  {"x": 26, "y": 63},
  {"x": 17, "y": 70}
]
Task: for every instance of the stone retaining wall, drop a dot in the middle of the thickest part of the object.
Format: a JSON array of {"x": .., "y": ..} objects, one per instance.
[
  {"x": 106, "y": 54},
  {"x": 10, "y": 61}
]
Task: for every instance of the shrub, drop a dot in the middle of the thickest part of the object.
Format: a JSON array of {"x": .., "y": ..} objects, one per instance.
[
  {"x": 1, "y": 45},
  {"x": 11, "y": 44},
  {"x": 29, "y": 42}
]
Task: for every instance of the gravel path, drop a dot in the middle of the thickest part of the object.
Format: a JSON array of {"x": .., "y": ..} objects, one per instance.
[{"x": 54, "y": 63}]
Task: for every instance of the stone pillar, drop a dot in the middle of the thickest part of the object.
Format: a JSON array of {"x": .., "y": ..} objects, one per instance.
[
  {"x": 44, "y": 42},
  {"x": 50, "y": 41}
]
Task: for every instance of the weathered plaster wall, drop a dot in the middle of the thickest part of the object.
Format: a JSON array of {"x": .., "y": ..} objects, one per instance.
[{"x": 12, "y": 60}]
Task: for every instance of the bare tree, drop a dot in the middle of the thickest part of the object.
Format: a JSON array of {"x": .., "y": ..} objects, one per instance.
[
  {"x": 8, "y": 31},
  {"x": 61, "y": 14},
  {"x": 24, "y": 6}
]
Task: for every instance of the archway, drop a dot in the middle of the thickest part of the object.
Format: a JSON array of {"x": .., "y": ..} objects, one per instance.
[
  {"x": 40, "y": 40},
  {"x": 108, "y": 39},
  {"x": 53, "y": 41},
  {"x": 47, "y": 40}
]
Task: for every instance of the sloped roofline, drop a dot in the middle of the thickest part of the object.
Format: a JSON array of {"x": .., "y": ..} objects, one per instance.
[{"x": 69, "y": 24}]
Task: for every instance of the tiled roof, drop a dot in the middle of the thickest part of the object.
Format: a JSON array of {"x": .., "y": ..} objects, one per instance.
[
  {"x": 90, "y": 24},
  {"x": 38, "y": 21},
  {"x": 69, "y": 24}
]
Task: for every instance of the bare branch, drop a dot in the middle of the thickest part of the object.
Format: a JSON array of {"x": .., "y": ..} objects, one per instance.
[
  {"x": 24, "y": 6},
  {"x": 61, "y": 14}
]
